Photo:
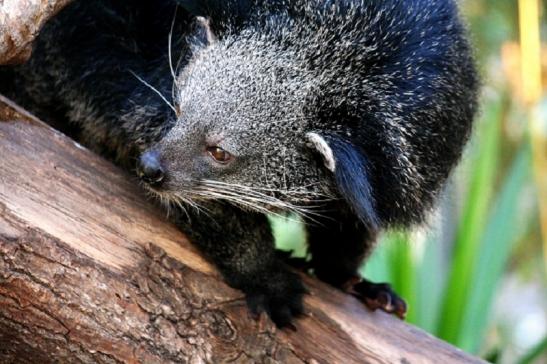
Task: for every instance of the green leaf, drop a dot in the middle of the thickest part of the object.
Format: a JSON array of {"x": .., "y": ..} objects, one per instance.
[
  {"x": 535, "y": 354},
  {"x": 289, "y": 234},
  {"x": 377, "y": 267},
  {"x": 470, "y": 229},
  {"x": 403, "y": 271},
  {"x": 502, "y": 230},
  {"x": 431, "y": 276}
]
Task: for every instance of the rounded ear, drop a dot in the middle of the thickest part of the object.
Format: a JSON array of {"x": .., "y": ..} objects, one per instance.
[
  {"x": 351, "y": 174},
  {"x": 223, "y": 14},
  {"x": 203, "y": 35},
  {"x": 317, "y": 142}
]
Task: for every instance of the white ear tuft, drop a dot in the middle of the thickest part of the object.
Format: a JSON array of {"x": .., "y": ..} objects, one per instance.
[
  {"x": 205, "y": 25},
  {"x": 318, "y": 143}
]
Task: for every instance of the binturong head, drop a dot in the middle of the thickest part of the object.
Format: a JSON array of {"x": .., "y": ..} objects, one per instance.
[{"x": 242, "y": 132}]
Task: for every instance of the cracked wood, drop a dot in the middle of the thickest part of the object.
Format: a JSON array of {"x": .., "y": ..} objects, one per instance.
[{"x": 20, "y": 23}]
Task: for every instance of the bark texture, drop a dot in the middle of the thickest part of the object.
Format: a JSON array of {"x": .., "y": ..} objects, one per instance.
[
  {"x": 20, "y": 23},
  {"x": 90, "y": 272}
]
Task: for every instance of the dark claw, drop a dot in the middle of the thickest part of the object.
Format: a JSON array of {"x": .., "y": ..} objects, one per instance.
[
  {"x": 280, "y": 298},
  {"x": 280, "y": 311},
  {"x": 291, "y": 327},
  {"x": 256, "y": 304},
  {"x": 377, "y": 296}
]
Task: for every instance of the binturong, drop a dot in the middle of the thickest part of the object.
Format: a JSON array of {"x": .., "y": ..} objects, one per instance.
[{"x": 348, "y": 113}]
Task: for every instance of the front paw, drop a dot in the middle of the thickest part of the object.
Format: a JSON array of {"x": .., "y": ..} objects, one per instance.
[
  {"x": 278, "y": 292},
  {"x": 377, "y": 295}
]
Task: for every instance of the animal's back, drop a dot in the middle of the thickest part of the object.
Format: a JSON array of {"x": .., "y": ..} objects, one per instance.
[
  {"x": 397, "y": 79},
  {"x": 382, "y": 91}
]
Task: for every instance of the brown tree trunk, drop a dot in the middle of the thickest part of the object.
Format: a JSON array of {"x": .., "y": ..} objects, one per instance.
[
  {"x": 20, "y": 23},
  {"x": 90, "y": 272}
]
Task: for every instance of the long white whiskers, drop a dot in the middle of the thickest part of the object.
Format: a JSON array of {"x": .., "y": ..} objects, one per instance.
[{"x": 155, "y": 90}]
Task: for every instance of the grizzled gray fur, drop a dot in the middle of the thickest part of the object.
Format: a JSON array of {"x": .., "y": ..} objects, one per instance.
[{"x": 349, "y": 113}]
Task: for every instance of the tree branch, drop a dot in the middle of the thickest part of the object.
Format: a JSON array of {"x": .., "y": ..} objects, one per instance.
[
  {"x": 90, "y": 272},
  {"x": 20, "y": 23}
]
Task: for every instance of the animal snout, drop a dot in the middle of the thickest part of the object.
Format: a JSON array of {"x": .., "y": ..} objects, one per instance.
[{"x": 150, "y": 170}]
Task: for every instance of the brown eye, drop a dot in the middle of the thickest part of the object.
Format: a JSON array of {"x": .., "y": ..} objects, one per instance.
[{"x": 219, "y": 154}]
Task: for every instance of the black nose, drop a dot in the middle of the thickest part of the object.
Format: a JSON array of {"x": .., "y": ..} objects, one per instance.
[{"x": 149, "y": 168}]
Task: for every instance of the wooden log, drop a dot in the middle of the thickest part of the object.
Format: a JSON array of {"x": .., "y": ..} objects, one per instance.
[
  {"x": 90, "y": 272},
  {"x": 20, "y": 23}
]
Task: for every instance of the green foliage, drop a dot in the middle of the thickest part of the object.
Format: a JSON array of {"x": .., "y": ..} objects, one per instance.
[
  {"x": 455, "y": 303},
  {"x": 498, "y": 239},
  {"x": 471, "y": 227},
  {"x": 535, "y": 354},
  {"x": 289, "y": 234}
]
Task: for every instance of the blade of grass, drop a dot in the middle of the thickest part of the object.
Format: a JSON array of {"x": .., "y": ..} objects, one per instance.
[
  {"x": 502, "y": 230},
  {"x": 535, "y": 354},
  {"x": 403, "y": 270},
  {"x": 376, "y": 267},
  {"x": 429, "y": 283},
  {"x": 472, "y": 223},
  {"x": 538, "y": 132}
]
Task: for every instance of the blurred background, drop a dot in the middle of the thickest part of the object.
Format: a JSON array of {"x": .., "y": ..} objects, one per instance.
[{"x": 476, "y": 275}]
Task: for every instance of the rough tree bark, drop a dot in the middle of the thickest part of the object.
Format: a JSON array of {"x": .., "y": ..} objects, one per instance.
[
  {"x": 20, "y": 23},
  {"x": 91, "y": 272}
]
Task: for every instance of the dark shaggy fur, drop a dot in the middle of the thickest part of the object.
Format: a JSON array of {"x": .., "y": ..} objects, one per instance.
[{"x": 350, "y": 113}]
